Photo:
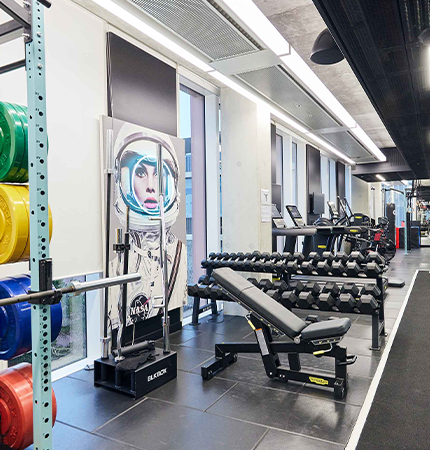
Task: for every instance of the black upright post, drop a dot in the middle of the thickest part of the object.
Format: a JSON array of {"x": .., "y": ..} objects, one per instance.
[{"x": 124, "y": 286}]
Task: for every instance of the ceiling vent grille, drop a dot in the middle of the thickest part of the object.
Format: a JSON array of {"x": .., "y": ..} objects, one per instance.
[
  {"x": 282, "y": 90},
  {"x": 201, "y": 25}
]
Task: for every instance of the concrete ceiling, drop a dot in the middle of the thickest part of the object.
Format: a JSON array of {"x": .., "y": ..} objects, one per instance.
[{"x": 300, "y": 23}]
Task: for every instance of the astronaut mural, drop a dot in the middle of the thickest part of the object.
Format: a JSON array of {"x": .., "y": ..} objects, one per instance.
[{"x": 135, "y": 184}]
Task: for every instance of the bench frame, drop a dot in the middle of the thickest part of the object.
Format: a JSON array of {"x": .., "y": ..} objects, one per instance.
[{"x": 226, "y": 354}]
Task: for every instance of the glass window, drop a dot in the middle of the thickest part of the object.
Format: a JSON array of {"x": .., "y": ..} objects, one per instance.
[{"x": 192, "y": 130}]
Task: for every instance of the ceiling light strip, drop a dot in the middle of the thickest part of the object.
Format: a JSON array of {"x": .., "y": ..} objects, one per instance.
[
  {"x": 282, "y": 47},
  {"x": 149, "y": 31},
  {"x": 251, "y": 15},
  {"x": 380, "y": 177}
]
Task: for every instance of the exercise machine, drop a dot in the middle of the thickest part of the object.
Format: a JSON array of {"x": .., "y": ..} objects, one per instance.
[{"x": 320, "y": 339}]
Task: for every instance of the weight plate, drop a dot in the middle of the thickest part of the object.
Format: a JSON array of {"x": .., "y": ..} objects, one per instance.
[
  {"x": 23, "y": 192},
  {"x": 16, "y": 406},
  {"x": 22, "y": 174},
  {"x": 14, "y": 224},
  {"x": 12, "y": 141},
  {"x": 15, "y": 320}
]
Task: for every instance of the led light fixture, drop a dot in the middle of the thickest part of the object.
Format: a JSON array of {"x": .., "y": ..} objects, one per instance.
[{"x": 380, "y": 177}]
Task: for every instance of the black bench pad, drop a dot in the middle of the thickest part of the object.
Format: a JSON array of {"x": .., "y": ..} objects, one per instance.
[
  {"x": 256, "y": 300},
  {"x": 326, "y": 329},
  {"x": 273, "y": 312}
]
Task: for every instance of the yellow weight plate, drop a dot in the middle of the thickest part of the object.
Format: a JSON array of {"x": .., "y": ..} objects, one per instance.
[
  {"x": 24, "y": 194},
  {"x": 14, "y": 224}
]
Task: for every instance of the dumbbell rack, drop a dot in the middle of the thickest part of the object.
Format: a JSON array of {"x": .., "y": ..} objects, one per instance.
[
  {"x": 31, "y": 20},
  {"x": 378, "y": 316}
]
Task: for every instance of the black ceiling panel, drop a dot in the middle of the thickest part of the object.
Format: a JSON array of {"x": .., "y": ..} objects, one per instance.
[{"x": 380, "y": 41}]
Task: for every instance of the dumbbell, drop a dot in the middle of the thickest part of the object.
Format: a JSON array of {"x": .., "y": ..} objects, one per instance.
[
  {"x": 358, "y": 257},
  {"x": 249, "y": 262},
  {"x": 307, "y": 268},
  {"x": 217, "y": 293},
  {"x": 289, "y": 299},
  {"x": 342, "y": 257},
  {"x": 331, "y": 288},
  {"x": 352, "y": 269},
  {"x": 210, "y": 260},
  {"x": 307, "y": 300},
  {"x": 276, "y": 295},
  {"x": 193, "y": 289},
  {"x": 205, "y": 289},
  {"x": 314, "y": 257},
  {"x": 270, "y": 265},
  {"x": 323, "y": 267},
  {"x": 327, "y": 301},
  {"x": 280, "y": 285},
  {"x": 337, "y": 268},
  {"x": 313, "y": 287},
  {"x": 375, "y": 257},
  {"x": 253, "y": 281},
  {"x": 350, "y": 288},
  {"x": 296, "y": 286},
  {"x": 259, "y": 265},
  {"x": 371, "y": 289},
  {"x": 329, "y": 256},
  {"x": 368, "y": 304},
  {"x": 265, "y": 285},
  {"x": 219, "y": 262},
  {"x": 233, "y": 262},
  {"x": 372, "y": 269},
  {"x": 348, "y": 303}
]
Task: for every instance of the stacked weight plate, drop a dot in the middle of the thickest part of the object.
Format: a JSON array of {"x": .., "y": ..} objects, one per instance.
[
  {"x": 13, "y": 143},
  {"x": 15, "y": 320},
  {"x": 15, "y": 223}
]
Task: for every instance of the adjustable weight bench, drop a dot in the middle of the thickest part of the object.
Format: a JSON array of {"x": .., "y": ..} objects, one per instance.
[{"x": 319, "y": 338}]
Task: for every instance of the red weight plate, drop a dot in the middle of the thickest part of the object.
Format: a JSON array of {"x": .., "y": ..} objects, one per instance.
[{"x": 16, "y": 406}]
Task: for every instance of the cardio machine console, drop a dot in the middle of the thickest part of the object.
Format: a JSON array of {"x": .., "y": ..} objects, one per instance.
[
  {"x": 277, "y": 218},
  {"x": 296, "y": 217}
]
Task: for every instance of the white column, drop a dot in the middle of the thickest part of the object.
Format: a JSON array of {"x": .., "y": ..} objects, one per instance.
[
  {"x": 325, "y": 184},
  {"x": 246, "y": 169},
  {"x": 212, "y": 174}
]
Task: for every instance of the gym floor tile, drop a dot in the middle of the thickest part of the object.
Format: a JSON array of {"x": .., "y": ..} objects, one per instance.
[
  {"x": 365, "y": 366},
  {"x": 207, "y": 341},
  {"x": 84, "y": 375},
  {"x": 282, "y": 440},
  {"x": 155, "y": 425},
  {"x": 302, "y": 414},
  {"x": 360, "y": 331},
  {"x": 189, "y": 389},
  {"x": 223, "y": 325},
  {"x": 65, "y": 437},
  {"x": 252, "y": 371},
  {"x": 188, "y": 358},
  {"x": 182, "y": 336},
  {"x": 357, "y": 391},
  {"x": 361, "y": 347},
  {"x": 391, "y": 313},
  {"x": 84, "y": 406}
]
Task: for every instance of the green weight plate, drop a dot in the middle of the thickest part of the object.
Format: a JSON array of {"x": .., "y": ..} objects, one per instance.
[
  {"x": 22, "y": 174},
  {"x": 13, "y": 141}
]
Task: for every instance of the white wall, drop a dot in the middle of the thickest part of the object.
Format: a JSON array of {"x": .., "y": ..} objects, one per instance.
[{"x": 76, "y": 97}]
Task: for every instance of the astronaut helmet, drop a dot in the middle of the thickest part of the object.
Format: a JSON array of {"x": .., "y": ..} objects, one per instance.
[{"x": 137, "y": 181}]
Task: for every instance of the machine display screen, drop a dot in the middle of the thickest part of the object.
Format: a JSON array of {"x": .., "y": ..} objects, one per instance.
[
  {"x": 275, "y": 213},
  {"x": 332, "y": 207},
  {"x": 294, "y": 212},
  {"x": 296, "y": 217}
]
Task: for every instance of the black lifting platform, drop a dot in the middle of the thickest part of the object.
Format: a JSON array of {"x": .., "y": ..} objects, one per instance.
[{"x": 136, "y": 382}]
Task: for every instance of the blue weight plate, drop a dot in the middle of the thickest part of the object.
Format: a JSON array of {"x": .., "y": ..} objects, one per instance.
[{"x": 15, "y": 320}]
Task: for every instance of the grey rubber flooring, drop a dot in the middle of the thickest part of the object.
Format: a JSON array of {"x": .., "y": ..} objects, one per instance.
[{"x": 239, "y": 409}]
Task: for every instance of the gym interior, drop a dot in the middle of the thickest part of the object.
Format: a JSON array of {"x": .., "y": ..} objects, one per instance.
[{"x": 214, "y": 224}]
